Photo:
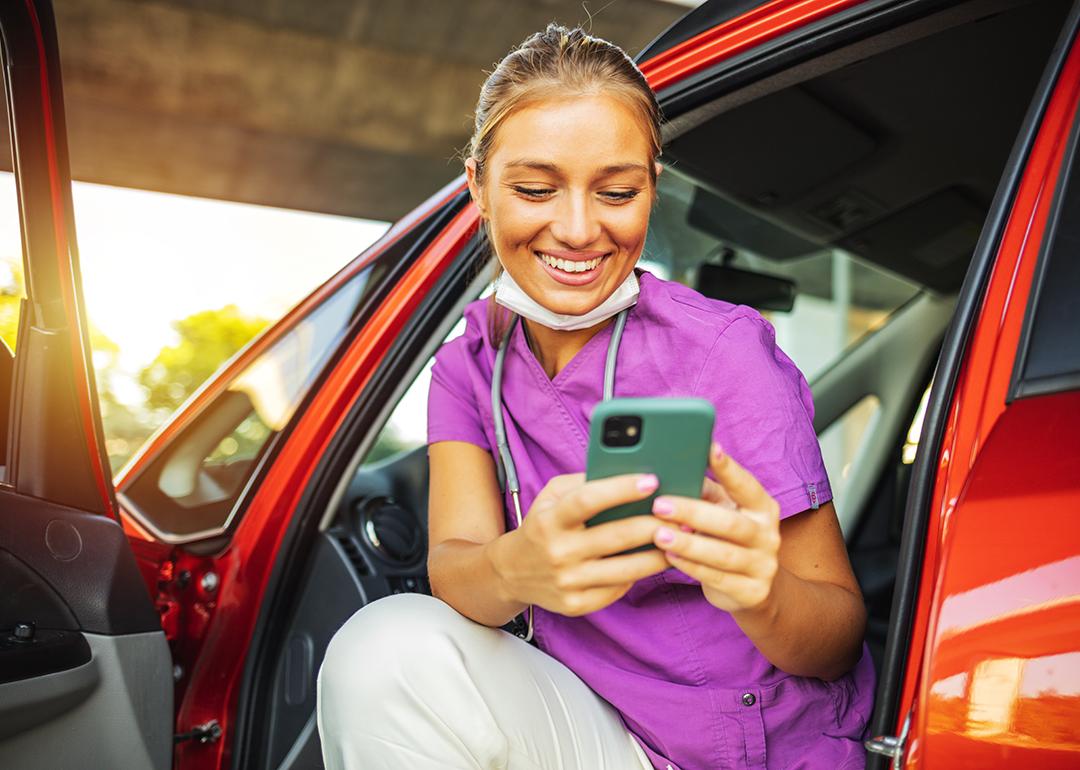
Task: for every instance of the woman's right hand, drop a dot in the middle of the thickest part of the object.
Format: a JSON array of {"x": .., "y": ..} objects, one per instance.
[{"x": 554, "y": 561}]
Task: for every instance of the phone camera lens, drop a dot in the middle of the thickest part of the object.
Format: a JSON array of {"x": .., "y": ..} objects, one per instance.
[{"x": 622, "y": 431}]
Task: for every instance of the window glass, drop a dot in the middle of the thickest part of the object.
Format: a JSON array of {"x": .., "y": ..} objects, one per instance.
[
  {"x": 842, "y": 443},
  {"x": 12, "y": 286},
  {"x": 1052, "y": 360},
  {"x": 406, "y": 428},
  {"x": 839, "y": 297},
  {"x": 190, "y": 491}
]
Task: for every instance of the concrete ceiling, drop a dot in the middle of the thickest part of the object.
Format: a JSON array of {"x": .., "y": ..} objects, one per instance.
[{"x": 354, "y": 107}]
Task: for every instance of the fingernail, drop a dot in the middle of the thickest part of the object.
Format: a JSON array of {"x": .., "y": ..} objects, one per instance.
[
  {"x": 648, "y": 482},
  {"x": 665, "y": 536},
  {"x": 717, "y": 451},
  {"x": 661, "y": 506}
]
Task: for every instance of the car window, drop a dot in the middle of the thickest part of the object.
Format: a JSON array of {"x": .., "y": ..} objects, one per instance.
[
  {"x": 191, "y": 489},
  {"x": 842, "y": 442},
  {"x": 196, "y": 487},
  {"x": 406, "y": 427},
  {"x": 12, "y": 287},
  {"x": 839, "y": 298},
  {"x": 1049, "y": 358}
]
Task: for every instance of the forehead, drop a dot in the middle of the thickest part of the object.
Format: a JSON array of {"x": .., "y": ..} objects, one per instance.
[{"x": 577, "y": 132}]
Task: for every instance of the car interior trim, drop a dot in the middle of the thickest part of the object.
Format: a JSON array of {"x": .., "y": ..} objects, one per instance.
[{"x": 872, "y": 27}]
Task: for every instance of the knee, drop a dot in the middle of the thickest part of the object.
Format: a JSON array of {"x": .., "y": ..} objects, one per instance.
[{"x": 384, "y": 640}]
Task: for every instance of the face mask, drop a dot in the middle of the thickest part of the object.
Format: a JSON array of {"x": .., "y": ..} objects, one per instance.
[{"x": 511, "y": 296}]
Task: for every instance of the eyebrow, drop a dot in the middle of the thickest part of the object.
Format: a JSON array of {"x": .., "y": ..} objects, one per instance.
[{"x": 540, "y": 165}]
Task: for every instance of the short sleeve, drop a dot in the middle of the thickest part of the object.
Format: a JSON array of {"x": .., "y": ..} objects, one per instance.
[
  {"x": 765, "y": 413},
  {"x": 453, "y": 412}
]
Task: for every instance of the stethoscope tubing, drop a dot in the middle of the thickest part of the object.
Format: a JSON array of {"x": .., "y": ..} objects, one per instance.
[{"x": 505, "y": 468}]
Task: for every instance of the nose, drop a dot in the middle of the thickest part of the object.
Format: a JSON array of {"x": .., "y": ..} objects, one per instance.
[{"x": 576, "y": 222}]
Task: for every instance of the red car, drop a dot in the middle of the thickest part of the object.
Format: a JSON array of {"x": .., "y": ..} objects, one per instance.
[{"x": 899, "y": 167}]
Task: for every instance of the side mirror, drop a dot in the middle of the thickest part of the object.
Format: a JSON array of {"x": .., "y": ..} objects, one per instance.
[{"x": 745, "y": 287}]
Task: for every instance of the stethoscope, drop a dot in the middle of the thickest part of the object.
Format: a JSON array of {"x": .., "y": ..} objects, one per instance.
[{"x": 504, "y": 465}]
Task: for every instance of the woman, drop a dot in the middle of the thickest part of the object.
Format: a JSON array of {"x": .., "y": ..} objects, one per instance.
[{"x": 737, "y": 641}]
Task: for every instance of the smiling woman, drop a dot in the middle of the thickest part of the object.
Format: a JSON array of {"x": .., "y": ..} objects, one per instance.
[{"x": 734, "y": 636}]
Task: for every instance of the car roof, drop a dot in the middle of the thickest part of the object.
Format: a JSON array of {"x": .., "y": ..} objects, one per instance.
[{"x": 704, "y": 17}]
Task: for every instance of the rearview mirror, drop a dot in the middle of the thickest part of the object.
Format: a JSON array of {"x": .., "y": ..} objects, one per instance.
[{"x": 745, "y": 287}]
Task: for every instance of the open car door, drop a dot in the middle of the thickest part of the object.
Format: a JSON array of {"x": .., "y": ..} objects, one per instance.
[{"x": 85, "y": 671}]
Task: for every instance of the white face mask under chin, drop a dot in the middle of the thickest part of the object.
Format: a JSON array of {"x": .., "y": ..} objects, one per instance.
[{"x": 511, "y": 296}]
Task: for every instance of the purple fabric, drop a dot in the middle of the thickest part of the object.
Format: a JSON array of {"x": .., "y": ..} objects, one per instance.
[{"x": 688, "y": 683}]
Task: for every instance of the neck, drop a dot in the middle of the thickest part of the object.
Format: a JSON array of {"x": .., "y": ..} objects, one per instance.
[{"x": 554, "y": 348}]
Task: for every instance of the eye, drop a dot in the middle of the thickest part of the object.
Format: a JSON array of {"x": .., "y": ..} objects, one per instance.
[
  {"x": 620, "y": 195},
  {"x": 533, "y": 192}
]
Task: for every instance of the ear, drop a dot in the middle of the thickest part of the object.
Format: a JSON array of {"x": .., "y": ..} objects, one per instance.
[
  {"x": 659, "y": 167},
  {"x": 474, "y": 187}
]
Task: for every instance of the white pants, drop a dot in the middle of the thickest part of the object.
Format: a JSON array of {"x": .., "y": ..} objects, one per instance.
[{"x": 409, "y": 683}]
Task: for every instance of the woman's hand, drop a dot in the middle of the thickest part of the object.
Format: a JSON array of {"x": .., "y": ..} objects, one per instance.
[
  {"x": 554, "y": 561},
  {"x": 729, "y": 539}
]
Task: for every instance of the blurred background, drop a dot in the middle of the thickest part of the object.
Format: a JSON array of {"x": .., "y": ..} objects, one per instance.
[{"x": 231, "y": 155}]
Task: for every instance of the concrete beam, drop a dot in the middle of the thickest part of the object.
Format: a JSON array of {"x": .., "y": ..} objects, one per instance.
[{"x": 346, "y": 107}]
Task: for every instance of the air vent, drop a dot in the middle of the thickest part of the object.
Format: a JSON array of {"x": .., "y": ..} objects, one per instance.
[
  {"x": 391, "y": 530},
  {"x": 352, "y": 553}
]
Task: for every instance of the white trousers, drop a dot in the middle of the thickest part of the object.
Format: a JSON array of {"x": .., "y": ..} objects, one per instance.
[{"x": 409, "y": 683}]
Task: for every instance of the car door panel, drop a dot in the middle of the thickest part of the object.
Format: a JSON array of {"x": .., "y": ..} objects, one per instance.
[
  {"x": 1002, "y": 659},
  {"x": 966, "y": 417},
  {"x": 85, "y": 670}
]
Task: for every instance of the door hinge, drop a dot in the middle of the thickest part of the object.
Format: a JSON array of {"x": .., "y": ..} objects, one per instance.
[
  {"x": 891, "y": 746},
  {"x": 205, "y": 733}
]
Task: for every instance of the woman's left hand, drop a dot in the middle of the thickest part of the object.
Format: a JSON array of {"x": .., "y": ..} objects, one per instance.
[{"x": 729, "y": 539}]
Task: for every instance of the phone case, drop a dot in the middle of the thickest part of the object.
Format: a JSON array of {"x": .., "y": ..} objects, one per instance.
[{"x": 674, "y": 444}]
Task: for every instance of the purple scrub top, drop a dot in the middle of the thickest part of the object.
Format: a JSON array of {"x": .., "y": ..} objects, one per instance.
[{"x": 686, "y": 680}]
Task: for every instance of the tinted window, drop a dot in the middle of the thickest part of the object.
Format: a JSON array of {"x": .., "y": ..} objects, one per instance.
[{"x": 1051, "y": 361}]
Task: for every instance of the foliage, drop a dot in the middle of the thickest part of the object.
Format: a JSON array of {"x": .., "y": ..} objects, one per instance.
[{"x": 207, "y": 339}]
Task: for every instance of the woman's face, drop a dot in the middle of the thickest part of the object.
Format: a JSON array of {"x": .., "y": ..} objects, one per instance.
[{"x": 567, "y": 194}]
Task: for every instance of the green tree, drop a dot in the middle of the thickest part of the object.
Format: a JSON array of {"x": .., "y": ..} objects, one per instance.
[
  {"x": 12, "y": 290},
  {"x": 207, "y": 339}
]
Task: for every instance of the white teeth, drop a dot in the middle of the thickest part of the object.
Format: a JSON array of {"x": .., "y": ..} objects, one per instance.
[{"x": 568, "y": 266}]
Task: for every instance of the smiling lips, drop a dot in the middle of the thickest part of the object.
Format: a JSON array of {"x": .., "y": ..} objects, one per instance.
[{"x": 572, "y": 268}]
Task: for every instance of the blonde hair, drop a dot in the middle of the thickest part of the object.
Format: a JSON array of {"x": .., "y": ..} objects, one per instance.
[{"x": 557, "y": 62}]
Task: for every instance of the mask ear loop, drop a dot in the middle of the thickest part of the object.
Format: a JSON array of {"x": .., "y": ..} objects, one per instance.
[{"x": 505, "y": 469}]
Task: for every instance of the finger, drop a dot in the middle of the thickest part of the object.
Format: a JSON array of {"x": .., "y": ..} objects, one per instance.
[
  {"x": 560, "y": 485},
  {"x": 613, "y": 537},
  {"x": 739, "y": 587},
  {"x": 593, "y": 599},
  {"x": 718, "y": 521},
  {"x": 613, "y": 570},
  {"x": 582, "y": 503},
  {"x": 740, "y": 484},
  {"x": 714, "y": 552},
  {"x": 715, "y": 493}
]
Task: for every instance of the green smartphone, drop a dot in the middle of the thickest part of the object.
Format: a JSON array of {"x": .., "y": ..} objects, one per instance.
[{"x": 666, "y": 436}]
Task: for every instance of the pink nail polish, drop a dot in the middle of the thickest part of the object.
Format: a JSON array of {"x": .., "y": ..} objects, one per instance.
[
  {"x": 665, "y": 536},
  {"x": 648, "y": 483},
  {"x": 663, "y": 507}
]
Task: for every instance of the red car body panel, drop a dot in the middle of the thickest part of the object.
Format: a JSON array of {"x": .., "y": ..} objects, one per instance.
[
  {"x": 1004, "y": 510},
  {"x": 244, "y": 568},
  {"x": 767, "y": 21}
]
